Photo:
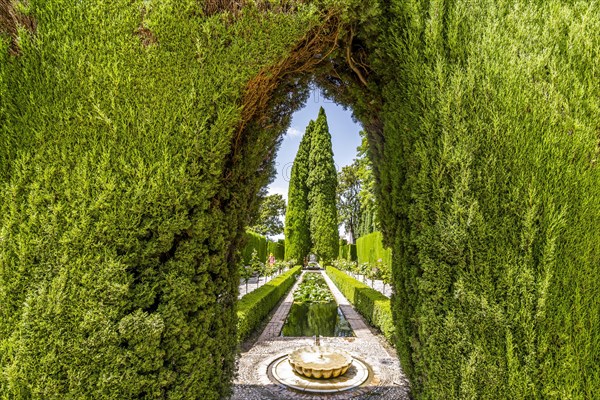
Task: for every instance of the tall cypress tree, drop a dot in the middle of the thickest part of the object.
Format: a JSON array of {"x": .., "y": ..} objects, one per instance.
[
  {"x": 297, "y": 227},
  {"x": 322, "y": 185}
]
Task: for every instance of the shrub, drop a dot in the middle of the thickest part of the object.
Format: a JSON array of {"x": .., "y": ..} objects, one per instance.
[
  {"x": 371, "y": 304},
  {"x": 255, "y": 306},
  {"x": 370, "y": 249},
  {"x": 255, "y": 242}
]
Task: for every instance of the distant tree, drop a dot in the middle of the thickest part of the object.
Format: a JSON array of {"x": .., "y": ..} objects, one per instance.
[
  {"x": 297, "y": 226},
  {"x": 322, "y": 187},
  {"x": 268, "y": 221},
  {"x": 348, "y": 200}
]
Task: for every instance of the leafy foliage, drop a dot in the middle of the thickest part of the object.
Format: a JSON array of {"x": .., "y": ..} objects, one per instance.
[
  {"x": 371, "y": 250},
  {"x": 348, "y": 200},
  {"x": 135, "y": 135},
  {"x": 268, "y": 222},
  {"x": 371, "y": 304},
  {"x": 368, "y": 222},
  {"x": 490, "y": 192},
  {"x": 126, "y": 193},
  {"x": 313, "y": 289},
  {"x": 263, "y": 247}
]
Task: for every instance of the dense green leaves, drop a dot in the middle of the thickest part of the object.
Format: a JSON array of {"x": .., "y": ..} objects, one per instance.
[
  {"x": 122, "y": 204},
  {"x": 372, "y": 305},
  {"x": 490, "y": 195},
  {"x": 268, "y": 222},
  {"x": 298, "y": 241},
  {"x": 348, "y": 201},
  {"x": 256, "y": 305},
  {"x": 128, "y": 179},
  {"x": 311, "y": 219},
  {"x": 322, "y": 187}
]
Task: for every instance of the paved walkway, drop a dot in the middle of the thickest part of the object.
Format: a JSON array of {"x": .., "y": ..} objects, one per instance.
[{"x": 253, "y": 383}]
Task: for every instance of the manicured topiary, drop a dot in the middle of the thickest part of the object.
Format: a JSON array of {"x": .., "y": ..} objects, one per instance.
[
  {"x": 255, "y": 306},
  {"x": 298, "y": 242},
  {"x": 135, "y": 136},
  {"x": 375, "y": 307},
  {"x": 322, "y": 186}
]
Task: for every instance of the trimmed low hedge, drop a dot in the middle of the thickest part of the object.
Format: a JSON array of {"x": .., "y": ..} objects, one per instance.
[
  {"x": 255, "y": 306},
  {"x": 374, "y": 306}
]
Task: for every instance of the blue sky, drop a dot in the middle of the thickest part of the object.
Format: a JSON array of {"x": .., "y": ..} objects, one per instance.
[{"x": 345, "y": 138}]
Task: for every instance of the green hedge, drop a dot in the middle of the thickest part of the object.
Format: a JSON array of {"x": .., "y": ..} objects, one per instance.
[
  {"x": 263, "y": 247},
  {"x": 489, "y": 187},
  {"x": 369, "y": 249},
  {"x": 135, "y": 135},
  {"x": 277, "y": 249},
  {"x": 257, "y": 242},
  {"x": 256, "y": 305},
  {"x": 371, "y": 304},
  {"x": 347, "y": 252},
  {"x": 123, "y": 201}
]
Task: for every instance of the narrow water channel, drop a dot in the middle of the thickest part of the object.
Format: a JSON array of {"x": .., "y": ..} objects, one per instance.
[{"x": 315, "y": 312}]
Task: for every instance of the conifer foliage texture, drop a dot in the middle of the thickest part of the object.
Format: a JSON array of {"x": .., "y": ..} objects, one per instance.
[
  {"x": 125, "y": 189},
  {"x": 322, "y": 192},
  {"x": 297, "y": 222},
  {"x": 128, "y": 169}
]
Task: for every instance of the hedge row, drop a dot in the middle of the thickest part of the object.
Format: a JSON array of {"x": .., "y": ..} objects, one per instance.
[
  {"x": 369, "y": 249},
  {"x": 372, "y": 305},
  {"x": 277, "y": 249},
  {"x": 255, "y": 306},
  {"x": 347, "y": 252},
  {"x": 489, "y": 187},
  {"x": 264, "y": 247},
  {"x": 123, "y": 199}
]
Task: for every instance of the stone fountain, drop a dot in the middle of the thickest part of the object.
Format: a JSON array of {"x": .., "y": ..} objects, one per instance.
[
  {"x": 320, "y": 362},
  {"x": 319, "y": 369}
]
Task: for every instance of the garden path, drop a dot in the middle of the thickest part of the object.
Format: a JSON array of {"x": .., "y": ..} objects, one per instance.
[{"x": 252, "y": 382}]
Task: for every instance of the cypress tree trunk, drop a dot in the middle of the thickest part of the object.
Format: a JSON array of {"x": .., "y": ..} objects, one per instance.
[{"x": 322, "y": 184}]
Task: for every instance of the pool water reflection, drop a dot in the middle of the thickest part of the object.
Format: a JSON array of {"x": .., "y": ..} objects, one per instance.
[{"x": 309, "y": 319}]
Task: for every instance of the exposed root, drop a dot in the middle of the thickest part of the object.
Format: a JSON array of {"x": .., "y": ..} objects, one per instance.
[
  {"x": 11, "y": 20},
  {"x": 351, "y": 62},
  {"x": 315, "y": 47}
]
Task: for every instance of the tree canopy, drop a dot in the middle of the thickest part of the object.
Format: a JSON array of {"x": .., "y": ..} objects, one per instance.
[
  {"x": 322, "y": 187},
  {"x": 268, "y": 221}
]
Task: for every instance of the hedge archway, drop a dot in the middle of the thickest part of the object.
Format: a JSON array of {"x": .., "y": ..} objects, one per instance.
[{"x": 134, "y": 134}]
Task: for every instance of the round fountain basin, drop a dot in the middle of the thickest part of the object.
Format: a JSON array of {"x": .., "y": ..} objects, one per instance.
[{"x": 320, "y": 362}]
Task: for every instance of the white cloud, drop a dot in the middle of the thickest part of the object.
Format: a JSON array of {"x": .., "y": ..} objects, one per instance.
[{"x": 293, "y": 132}]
